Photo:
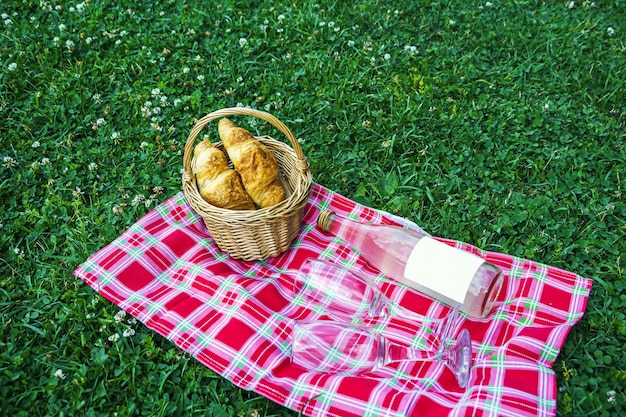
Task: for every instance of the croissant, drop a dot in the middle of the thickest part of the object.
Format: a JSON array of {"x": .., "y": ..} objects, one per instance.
[
  {"x": 255, "y": 163},
  {"x": 219, "y": 185}
]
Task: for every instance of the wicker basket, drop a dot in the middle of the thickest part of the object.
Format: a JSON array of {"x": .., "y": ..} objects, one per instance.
[{"x": 254, "y": 234}]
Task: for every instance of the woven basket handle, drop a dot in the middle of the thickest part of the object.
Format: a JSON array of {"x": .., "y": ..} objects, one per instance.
[{"x": 231, "y": 111}]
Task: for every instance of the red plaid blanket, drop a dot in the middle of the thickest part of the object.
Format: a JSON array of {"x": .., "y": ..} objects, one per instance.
[{"x": 236, "y": 318}]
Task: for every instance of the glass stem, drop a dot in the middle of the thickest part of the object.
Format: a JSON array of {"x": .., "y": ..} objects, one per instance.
[
  {"x": 397, "y": 353},
  {"x": 393, "y": 309}
]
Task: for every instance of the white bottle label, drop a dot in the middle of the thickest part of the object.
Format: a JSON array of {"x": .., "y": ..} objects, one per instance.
[{"x": 442, "y": 268}]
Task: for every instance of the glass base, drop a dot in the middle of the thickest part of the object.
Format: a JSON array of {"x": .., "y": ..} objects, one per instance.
[{"x": 460, "y": 359}]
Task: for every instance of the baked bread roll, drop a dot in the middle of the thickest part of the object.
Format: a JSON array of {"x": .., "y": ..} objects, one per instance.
[
  {"x": 219, "y": 185},
  {"x": 255, "y": 163}
]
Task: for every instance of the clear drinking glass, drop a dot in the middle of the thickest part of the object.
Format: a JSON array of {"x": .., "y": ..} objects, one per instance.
[
  {"x": 333, "y": 347},
  {"x": 348, "y": 349}
]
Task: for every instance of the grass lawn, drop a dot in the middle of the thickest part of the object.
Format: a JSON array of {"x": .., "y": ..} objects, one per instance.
[{"x": 501, "y": 124}]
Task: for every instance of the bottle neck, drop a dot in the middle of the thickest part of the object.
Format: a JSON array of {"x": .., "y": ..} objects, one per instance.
[{"x": 348, "y": 230}]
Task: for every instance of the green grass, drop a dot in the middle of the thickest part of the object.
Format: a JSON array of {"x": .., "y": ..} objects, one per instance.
[{"x": 497, "y": 123}]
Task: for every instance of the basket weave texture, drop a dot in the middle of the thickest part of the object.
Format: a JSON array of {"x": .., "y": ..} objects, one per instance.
[{"x": 254, "y": 234}]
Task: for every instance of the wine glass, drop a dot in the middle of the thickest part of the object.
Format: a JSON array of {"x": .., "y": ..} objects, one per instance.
[
  {"x": 344, "y": 293},
  {"x": 348, "y": 349}
]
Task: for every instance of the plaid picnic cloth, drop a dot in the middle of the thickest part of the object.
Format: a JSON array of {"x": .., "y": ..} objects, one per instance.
[{"x": 236, "y": 318}]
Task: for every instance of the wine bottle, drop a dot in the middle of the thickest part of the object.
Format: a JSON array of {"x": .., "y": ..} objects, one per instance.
[{"x": 450, "y": 275}]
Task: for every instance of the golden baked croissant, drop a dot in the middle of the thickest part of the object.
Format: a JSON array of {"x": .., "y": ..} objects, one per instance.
[
  {"x": 218, "y": 184},
  {"x": 255, "y": 163}
]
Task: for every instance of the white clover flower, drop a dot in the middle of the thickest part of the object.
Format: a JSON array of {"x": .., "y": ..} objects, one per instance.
[
  {"x": 59, "y": 374},
  {"x": 387, "y": 57},
  {"x": 12, "y": 66},
  {"x": 177, "y": 101},
  {"x": 243, "y": 42},
  {"x": 137, "y": 199},
  {"x": 62, "y": 27},
  {"x": 69, "y": 44},
  {"x": 451, "y": 22},
  {"x": 9, "y": 162},
  {"x": 8, "y": 22},
  {"x": 77, "y": 193},
  {"x": 610, "y": 31},
  {"x": 186, "y": 70},
  {"x": 281, "y": 17},
  {"x": 571, "y": 5},
  {"x": 119, "y": 316},
  {"x": 45, "y": 161},
  {"x": 350, "y": 43},
  {"x": 115, "y": 135},
  {"x": 128, "y": 332},
  {"x": 101, "y": 122},
  {"x": 200, "y": 77},
  {"x": 118, "y": 209},
  {"x": 92, "y": 166},
  {"x": 114, "y": 337},
  {"x": 156, "y": 92},
  {"x": 88, "y": 40},
  {"x": 412, "y": 50},
  {"x": 143, "y": 144},
  {"x": 610, "y": 396}
]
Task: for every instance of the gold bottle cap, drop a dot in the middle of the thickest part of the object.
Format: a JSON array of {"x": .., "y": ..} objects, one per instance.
[{"x": 325, "y": 219}]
